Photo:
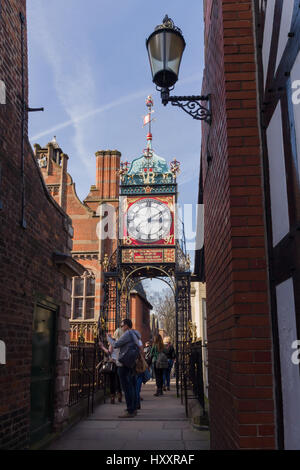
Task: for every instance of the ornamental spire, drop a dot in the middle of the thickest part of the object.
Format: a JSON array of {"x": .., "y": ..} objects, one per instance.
[{"x": 147, "y": 120}]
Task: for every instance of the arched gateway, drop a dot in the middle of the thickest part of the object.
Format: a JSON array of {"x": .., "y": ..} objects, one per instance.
[{"x": 149, "y": 246}]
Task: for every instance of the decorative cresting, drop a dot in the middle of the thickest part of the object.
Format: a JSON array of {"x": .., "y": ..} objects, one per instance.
[
  {"x": 85, "y": 331},
  {"x": 147, "y": 247}
]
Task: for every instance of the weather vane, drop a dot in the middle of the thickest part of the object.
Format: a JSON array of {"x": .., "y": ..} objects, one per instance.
[{"x": 147, "y": 120}]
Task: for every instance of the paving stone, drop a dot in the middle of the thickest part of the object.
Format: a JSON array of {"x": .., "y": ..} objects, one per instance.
[
  {"x": 196, "y": 445},
  {"x": 103, "y": 445},
  {"x": 156, "y": 425},
  {"x": 155, "y": 445},
  {"x": 176, "y": 425},
  {"x": 64, "y": 444},
  {"x": 105, "y": 435},
  {"x": 161, "y": 424},
  {"x": 88, "y": 424},
  {"x": 164, "y": 435},
  {"x": 194, "y": 435}
]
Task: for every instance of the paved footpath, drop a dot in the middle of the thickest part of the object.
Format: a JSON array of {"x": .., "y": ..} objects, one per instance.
[{"x": 161, "y": 424}]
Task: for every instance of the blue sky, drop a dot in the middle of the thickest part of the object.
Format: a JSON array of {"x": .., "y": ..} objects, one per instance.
[{"x": 89, "y": 69}]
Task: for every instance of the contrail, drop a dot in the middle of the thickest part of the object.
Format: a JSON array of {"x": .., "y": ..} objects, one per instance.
[
  {"x": 91, "y": 113},
  {"x": 101, "y": 109}
]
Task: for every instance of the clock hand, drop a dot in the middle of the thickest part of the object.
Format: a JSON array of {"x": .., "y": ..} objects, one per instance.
[
  {"x": 136, "y": 228},
  {"x": 154, "y": 218}
]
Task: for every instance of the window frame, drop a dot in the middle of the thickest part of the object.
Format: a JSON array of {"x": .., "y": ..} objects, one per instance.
[{"x": 86, "y": 275}]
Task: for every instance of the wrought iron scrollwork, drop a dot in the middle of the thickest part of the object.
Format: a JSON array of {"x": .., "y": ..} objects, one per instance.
[
  {"x": 113, "y": 263},
  {"x": 192, "y": 106}
]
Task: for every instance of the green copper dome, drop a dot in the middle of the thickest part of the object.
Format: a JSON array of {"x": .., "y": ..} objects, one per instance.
[{"x": 158, "y": 165}]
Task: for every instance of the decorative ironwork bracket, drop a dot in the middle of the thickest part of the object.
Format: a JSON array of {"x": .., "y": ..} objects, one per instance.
[{"x": 190, "y": 104}]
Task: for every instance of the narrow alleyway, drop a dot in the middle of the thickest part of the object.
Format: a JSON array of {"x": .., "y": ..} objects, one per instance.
[{"x": 161, "y": 424}]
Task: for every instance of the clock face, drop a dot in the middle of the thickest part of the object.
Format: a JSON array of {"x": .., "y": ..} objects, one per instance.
[{"x": 148, "y": 220}]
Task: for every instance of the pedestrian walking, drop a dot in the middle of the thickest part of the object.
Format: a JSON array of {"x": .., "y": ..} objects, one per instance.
[
  {"x": 171, "y": 355},
  {"x": 130, "y": 345},
  {"x": 148, "y": 358},
  {"x": 160, "y": 362},
  {"x": 143, "y": 377},
  {"x": 113, "y": 354}
]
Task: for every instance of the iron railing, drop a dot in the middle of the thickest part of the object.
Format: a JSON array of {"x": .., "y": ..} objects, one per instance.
[
  {"x": 194, "y": 376},
  {"x": 84, "y": 377}
]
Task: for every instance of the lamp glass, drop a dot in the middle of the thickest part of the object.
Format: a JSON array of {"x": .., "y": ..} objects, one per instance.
[{"x": 165, "y": 49}]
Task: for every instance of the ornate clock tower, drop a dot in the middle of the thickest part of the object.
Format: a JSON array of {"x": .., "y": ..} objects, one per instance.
[
  {"x": 148, "y": 196},
  {"x": 148, "y": 246}
]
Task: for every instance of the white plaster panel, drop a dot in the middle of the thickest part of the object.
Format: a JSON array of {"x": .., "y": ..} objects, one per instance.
[
  {"x": 289, "y": 372},
  {"x": 269, "y": 19},
  {"x": 285, "y": 27},
  {"x": 295, "y": 76},
  {"x": 278, "y": 190},
  {"x": 2, "y": 92}
]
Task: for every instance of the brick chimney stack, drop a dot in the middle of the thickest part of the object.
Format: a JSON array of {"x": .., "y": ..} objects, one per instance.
[{"x": 107, "y": 176}]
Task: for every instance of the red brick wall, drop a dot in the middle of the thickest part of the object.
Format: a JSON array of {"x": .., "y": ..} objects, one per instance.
[
  {"x": 140, "y": 316},
  {"x": 27, "y": 268},
  {"x": 87, "y": 248},
  {"x": 85, "y": 219},
  {"x": 241, "y": 383}
]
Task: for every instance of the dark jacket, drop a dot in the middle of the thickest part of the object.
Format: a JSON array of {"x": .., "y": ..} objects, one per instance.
[
  {"x": 129, "y": 337},
  {"x": 170, "y": 352}
]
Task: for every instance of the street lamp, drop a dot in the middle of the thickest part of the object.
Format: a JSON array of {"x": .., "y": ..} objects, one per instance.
[{"x": 165, "y": 47}]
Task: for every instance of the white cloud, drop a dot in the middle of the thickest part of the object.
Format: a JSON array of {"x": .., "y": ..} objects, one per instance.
[{"x": 72, "y": 77}]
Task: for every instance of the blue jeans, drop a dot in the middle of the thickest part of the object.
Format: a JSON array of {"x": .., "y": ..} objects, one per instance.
[
  {"x": 152, "y": 371},
  {"x": 128, "y": 384},
  {"x": 167, "y": 373},
  {"x": 139, "y": 381}
]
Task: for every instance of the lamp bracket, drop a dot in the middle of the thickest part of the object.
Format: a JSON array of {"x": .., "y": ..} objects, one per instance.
[
  {"x": 30, "y": 110},
  {"x": 190, "y": 104}
]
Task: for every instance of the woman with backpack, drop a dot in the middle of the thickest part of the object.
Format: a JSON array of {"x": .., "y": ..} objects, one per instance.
[{"x": 160, "y": 362}]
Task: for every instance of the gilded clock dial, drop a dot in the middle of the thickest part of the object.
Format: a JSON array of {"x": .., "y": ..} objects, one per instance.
[{"x": 148, "y": 220}]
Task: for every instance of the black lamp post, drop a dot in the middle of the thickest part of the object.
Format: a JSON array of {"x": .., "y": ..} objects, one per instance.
[{"x": 165, "y": 48}]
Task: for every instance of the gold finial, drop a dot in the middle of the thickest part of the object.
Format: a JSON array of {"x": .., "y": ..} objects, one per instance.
[
  {"x": 105, "y": 262},
  {"x": 175, "y": 167},
  {"x": 81, "y": 338},
  {"x": 95, "y": 331}
]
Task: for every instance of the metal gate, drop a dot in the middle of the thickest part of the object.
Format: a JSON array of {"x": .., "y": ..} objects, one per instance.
[{"x": 119, "y": 279}]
